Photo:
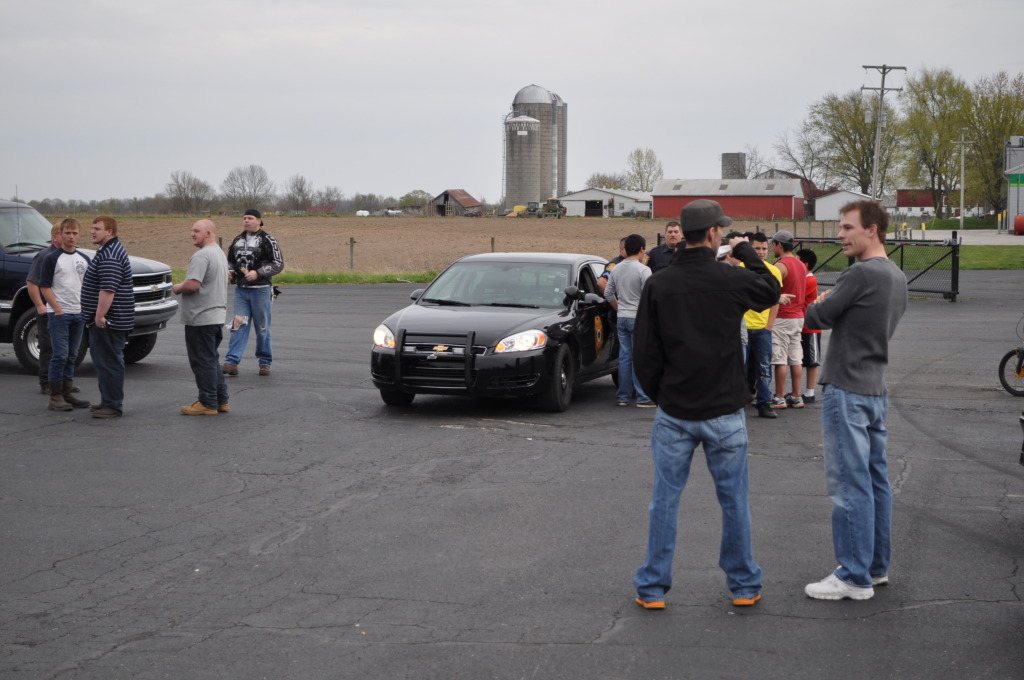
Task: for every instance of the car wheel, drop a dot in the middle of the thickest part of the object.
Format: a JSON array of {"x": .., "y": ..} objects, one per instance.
[
  {"x": 26, "y": 341},
  {"x": 396, "y": 398},
  {"x": 139, "y": 347},
  {"x": 563, "y": 378}
]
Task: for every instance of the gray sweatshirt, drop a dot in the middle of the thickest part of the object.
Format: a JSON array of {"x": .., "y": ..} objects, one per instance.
[
  {"x": 862, "y": 310},
  {"x": 625, "y": 284}
]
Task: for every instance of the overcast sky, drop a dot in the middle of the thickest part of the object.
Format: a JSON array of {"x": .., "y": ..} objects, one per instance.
[{"x": 105, "y": 98}]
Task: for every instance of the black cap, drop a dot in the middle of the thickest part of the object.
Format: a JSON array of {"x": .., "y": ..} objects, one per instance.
[
  {"x": 254, "y": 212},
  {"x": 701, "y": 214}
]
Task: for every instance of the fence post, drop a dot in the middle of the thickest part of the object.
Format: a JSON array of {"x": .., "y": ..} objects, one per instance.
[
  {"x": 492, "y": 244},
  {"x": 351, "y": 253},
  {"x": 955, "y": 265}
]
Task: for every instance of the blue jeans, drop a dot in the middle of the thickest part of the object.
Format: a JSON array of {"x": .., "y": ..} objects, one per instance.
[
  {"x": 673, "y": 442},
  {"x": 65, "y": 338},
  {"x": 201, "y": 343},
  {"x": 759, "y": 350},
  {"x": 857, "y": 477},
  {"x": 628, "y": 384},
  {"x": 255, "y": 304},
  {"x": 106, "y": 347}
]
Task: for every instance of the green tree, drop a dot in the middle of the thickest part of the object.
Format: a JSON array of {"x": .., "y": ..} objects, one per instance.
[
  {"x": 643, "y": 170},
  {"x": 416, "y": 197},
  {"x": 997, "y": 112},
  {"x": 938, "y": 106},
  {"x": 844, "y": 124},
  {"x": 606, "y": 180}
]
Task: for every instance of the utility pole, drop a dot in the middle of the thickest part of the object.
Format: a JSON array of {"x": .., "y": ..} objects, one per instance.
[
  {"x": 884, "y": 70},
  {"x": 963, "y": 147}
]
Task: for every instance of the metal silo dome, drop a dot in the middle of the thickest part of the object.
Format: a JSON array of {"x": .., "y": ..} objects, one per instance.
[{"x": 532, "y": 94}]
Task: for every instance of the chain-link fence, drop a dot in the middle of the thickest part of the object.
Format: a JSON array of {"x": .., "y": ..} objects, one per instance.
[{"x": 932, "y": 267}]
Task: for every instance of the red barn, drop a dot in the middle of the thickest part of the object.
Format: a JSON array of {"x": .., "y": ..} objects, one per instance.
[{"x": 741, "y": 199}]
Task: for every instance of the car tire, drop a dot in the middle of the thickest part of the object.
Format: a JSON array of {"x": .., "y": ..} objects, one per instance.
[
  {"x": 139, "y": 347},
  {"x": 396, "y": 398},
  {"x": 558, "y": 395},
  {"x": 26, "y": 341}
]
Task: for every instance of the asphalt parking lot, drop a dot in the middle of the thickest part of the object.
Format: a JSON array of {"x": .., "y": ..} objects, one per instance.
[{"x": 315, "y": 533}]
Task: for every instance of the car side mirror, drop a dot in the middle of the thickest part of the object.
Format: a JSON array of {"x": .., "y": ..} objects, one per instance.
[
  {"x": 592, "y": 299},
  {"x": 416, "y": 294},
  {"x": 572, "y": 292}
]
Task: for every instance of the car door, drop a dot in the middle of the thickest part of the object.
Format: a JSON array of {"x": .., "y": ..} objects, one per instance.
[{"x": 593, "y": 329}]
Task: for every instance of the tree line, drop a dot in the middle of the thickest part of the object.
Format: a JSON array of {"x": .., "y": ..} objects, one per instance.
[
  {"x": 834, "y": 146},
  {"x": 244, "y": 187}
]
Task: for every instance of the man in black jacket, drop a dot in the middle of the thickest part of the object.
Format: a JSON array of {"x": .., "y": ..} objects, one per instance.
[{"x": 688, "y": 358}]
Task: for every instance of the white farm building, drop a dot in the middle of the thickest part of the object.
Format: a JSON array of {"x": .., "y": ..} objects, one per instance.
[{"x": 607, "y": 203}]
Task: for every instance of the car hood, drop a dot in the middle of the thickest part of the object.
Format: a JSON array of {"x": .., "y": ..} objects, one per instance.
[
  {"x": 140, "y": 265},
  {"x": 490, "y": 324}
]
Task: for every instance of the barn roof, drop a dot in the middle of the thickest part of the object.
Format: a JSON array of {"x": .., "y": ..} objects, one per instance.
[
  {"x": 460, "y": 196},
  {"x": 729, "y": 187},
  {"x": 632, "y": 195}
]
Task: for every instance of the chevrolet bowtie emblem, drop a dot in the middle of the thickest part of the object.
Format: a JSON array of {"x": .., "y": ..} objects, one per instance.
[
  {"x": 154, "y": 289},
  {"x": 441, "y": 348}
]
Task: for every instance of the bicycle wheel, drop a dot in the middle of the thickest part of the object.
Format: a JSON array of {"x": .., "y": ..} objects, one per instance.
[{"x": 1012, "y": 379}]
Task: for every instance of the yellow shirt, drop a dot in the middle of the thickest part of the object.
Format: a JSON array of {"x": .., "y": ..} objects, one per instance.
[{"x": 758, "y": 320}]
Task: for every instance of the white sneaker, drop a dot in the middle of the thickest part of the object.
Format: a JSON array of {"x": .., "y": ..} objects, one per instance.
[
  {"x": 832, "y": 588},
  {"x": 882, "y": 580}
]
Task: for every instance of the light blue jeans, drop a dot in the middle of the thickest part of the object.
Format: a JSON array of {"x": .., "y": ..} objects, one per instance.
[
  {"x": 254, "y": 303},
  {"x": 628, "y": 384},
  {"x": 857, "y": 478},
  {"x": 673, "y": 442}
]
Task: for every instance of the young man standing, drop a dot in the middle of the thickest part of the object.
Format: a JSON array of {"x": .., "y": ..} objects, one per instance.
[
  {"x": 688, "y": 360},
  {"x": 625, "y": 284},
  {"x": 759, "y": 337},
  {"x": 108, "y": 306},
  {"x": 810, "y": 339},
  {"x": 42, "y": 327},
  {"x": 254, "y": 258},
  {"x": 60, "y": 284},
  {"x": 204, "y": 302},
  {"x": 862, "y": 309},
  {"x": 786, "y": 350}
]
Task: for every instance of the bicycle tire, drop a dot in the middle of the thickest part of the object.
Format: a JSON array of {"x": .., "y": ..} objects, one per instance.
[{"x": 1012, "y": 383}]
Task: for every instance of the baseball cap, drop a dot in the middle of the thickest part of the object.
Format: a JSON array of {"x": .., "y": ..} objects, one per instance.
[
  {"x": 701, "y": 214},
  {"x": 782, "y": 236}
]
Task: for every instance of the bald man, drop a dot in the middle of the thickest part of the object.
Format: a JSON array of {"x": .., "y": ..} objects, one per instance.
[{"x": 204, "y": 301}]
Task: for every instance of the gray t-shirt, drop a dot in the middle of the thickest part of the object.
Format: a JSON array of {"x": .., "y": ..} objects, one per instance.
[
  {"x": 209, "y": 304},
  {"x": 626, "y": 283},
  {"x": 862, "y": 310}
]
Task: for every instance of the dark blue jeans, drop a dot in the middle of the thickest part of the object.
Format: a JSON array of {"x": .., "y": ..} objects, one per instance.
[
  {"x": 759, "y": 351},
  {"x": 202, "y": 343},
  {"x": 65, "y": 337},
  {"x": 106, "y": 347}
]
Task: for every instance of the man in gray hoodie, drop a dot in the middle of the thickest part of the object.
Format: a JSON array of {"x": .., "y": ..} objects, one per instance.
[{"x": 625, "y": 284}]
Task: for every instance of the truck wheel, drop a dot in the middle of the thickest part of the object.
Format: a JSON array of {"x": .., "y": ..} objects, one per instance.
[
  {"x": 26, "y": 341},
  {"x": 396, "y": 398},
  {"x": 139, "y": 347}
]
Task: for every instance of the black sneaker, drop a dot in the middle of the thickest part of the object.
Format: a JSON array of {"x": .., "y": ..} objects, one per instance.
[{"x": 764, "y": 410}]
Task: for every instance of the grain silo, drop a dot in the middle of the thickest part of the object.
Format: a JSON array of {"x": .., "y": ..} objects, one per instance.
[{"x": 535, "y": 147}]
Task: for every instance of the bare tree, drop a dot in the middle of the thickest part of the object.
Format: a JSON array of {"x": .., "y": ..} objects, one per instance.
[
  {"x": 328, "y": 200},
  {"x": 606, "y": 180},
  {"x": 757, "y": 163},
  {"x": 644, "y": 170},
  {"x": 804, "y": 153},
  {"x": 188, "y": 194},
  {"x": 298, "y": 194},
  {"x": 248, "y": 187}
]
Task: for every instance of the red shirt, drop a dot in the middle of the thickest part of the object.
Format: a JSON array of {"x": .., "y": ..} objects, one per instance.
[
  {"x": 794, "y": 284},
  {"x": 810, "y": 295}
]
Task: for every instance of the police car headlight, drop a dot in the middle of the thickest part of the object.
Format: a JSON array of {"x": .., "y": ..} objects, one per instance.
[
  {"x": 522, "y": 342},
  {"x": 383, "y": 337}
]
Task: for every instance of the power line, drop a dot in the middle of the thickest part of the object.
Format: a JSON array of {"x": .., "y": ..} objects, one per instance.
[{"x": 884, "y": 69}]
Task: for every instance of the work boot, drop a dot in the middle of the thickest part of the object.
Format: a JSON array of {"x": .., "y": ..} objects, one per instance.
[
  {"x": 69, "y": 387},
  {"x": 230, "y": 369},
  {"x": 44, "y": 388},
  {"x": 57, "y": 402}
]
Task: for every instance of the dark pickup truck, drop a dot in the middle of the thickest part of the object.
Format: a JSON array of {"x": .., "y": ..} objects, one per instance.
[{"x": 23, "y": 233}]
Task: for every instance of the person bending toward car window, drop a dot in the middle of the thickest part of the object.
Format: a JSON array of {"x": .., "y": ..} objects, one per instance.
[
  {"x": 625, "y": 284},
  {"x": 60, "y": 284},
  {"x": 254, "y": 258},
  {"x": 687, "y": 355}
]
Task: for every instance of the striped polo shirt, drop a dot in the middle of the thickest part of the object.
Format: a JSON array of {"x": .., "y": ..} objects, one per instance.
[{"x": 110, "y": 270}]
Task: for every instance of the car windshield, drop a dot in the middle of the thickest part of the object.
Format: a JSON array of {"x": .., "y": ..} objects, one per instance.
[
  {"x": 511, "y": 284},
  {"x": 23, "y": 230}
]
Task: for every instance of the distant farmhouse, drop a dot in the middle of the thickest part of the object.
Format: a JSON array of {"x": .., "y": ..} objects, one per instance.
[
  {"x": 458, "y": 203},
  {"x": 596, "y": 202},
  {"x": 827, "y": 205},
  {"x": 743, "y": 199}
]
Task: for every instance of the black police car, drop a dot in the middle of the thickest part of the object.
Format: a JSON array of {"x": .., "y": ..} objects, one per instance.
[{"x": 500, "y": 325}]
